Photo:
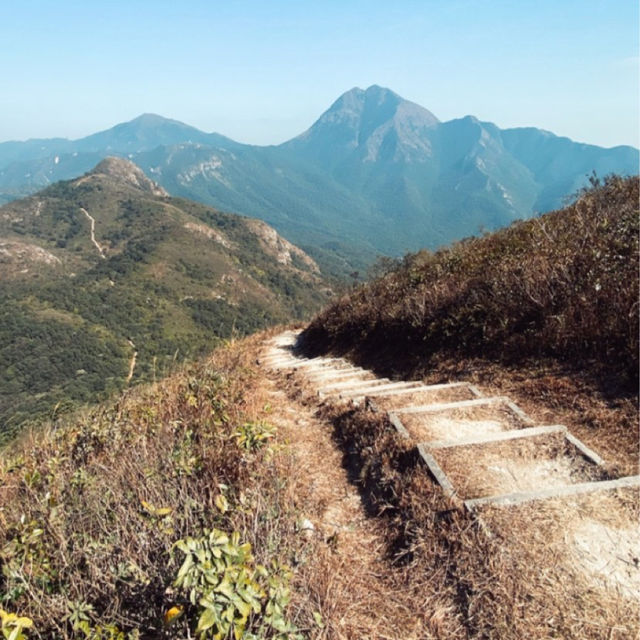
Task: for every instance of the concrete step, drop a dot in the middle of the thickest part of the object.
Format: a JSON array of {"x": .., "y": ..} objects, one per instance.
[
  {"x": 463, "y": 404},
  {"x": 518, "y": 497},
  {"x": 430, "y": 388},
  {"x": 285, "y": 341},
  {"x": 293, "y": 362},
  {"x": 454, "y": 420},
  {"x": 361, "y": 392},
  {"x": 421, "y": 395},
  {"x": 496, "y": 437},
  {"x": 310, "y": 363},
  {"x": 357, "y": 377},
  {"x": 328, "y": 372},
  {"x": 524, "y": 460},
  {"x": 338, "y": 387}
]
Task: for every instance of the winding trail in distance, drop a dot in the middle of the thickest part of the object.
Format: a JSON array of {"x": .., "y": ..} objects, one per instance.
[
  {"x": 93, "y": 232},
  {"x": 132, "y": 362}
]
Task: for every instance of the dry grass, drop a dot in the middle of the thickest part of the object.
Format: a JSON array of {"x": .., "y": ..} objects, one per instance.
[
  {"x": 79, "y": 521},
  {"x": 513, "y": 573},
  {"x": 533, "y": 580}
]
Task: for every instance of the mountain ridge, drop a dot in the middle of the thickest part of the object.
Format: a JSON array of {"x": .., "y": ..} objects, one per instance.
[{"x": 374, "y": 174}]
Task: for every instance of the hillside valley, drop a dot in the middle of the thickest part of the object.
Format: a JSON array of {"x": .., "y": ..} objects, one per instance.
[
  {"x": 107, "y": 281},
  {"x": 375, "y": 174}
]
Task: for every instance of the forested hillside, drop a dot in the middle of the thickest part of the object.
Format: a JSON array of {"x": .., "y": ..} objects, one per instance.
[{"x": 107, "y": 281}]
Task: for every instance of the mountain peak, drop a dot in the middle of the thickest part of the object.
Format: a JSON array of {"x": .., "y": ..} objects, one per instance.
[
  {"x": 144, "y": 133},
  {"x": 125, "y": 171},
  {"x": 153, "y": 119},
  {"x": 373, "y": 121}
]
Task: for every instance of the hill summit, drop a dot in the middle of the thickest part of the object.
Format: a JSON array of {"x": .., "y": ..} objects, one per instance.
[
  {"x": 129, "y": 173},
  {"x": 373, "y": 124}
]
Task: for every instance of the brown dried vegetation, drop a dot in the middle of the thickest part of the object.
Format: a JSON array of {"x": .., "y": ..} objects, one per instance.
[
  {"x": 507, "y": 574},
  {"x": 90, "y": 508},
  {"x": 563, "y": 285}
]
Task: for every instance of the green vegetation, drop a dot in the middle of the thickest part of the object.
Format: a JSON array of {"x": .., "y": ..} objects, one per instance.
[
  {"x": 159, "y": 515},
  {"x": 178, "y": 278},
  {"x": 563, "y": 285}
]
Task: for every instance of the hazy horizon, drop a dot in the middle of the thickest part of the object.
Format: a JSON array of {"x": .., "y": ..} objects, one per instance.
[{"x": 262, "y": 74}]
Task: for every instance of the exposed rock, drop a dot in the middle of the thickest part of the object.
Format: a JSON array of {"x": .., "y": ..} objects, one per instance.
[
  {"x": 18, "y": 258},
  {"x": 276, "y": 245},
  {"x": 128, "y": 172},
  {"x": 210, "y": 233}
]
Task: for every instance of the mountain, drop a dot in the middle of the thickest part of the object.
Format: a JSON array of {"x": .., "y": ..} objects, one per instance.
[
  {"x": 100, "y": 268},
  {"x": 372, "y": 126},
  {"x": 374, "y": 174},
  {"x": 147, "y": 132}
]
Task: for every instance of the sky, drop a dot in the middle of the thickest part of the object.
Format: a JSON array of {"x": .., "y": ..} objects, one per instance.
[{"x": 262, "y": 71}]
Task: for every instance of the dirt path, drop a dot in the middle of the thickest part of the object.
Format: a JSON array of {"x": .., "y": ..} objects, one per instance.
[
  {"x": 132, "y": 362},
  {"x": 93, "y": 232},
  {"x": 358, "y": 595}
]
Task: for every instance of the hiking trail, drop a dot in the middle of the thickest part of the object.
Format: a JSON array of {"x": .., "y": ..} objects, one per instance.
[
  {"x": 93, "y": 232},
  {"x": 485, "y": 454}
]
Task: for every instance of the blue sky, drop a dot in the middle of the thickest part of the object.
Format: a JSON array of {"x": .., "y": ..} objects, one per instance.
[{"x": 263, "y": 71}]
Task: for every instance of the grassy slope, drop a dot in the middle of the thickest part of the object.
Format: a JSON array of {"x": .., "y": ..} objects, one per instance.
[
  {"x": 563, "y": 286},
  {"x": 90, "y": 507},
  {"x": 546, "y": 313}
]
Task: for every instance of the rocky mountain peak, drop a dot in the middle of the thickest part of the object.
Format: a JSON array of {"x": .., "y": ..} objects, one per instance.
[
  {"x": 369, "y": 119},
  {"x": 126, "y": 171}
]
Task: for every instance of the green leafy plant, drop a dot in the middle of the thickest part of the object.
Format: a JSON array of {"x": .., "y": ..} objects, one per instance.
[
  {"x": 218, "y": 574},
  {"x": 254, "y": 435},
  {"x": 13, "y": 626}
]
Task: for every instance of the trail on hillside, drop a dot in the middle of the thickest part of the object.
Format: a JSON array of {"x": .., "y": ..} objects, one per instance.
[
  {"x": 577, "y": 539},
  {"x": 132, "y": 362},
  {"x": 359, "y": 595},
  {"x": 93, "y": 232}
]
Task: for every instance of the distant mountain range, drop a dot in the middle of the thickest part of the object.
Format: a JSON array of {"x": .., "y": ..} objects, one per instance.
[
  {"x": 97, "y": 269},
  {"x": 375, "y": 173}
]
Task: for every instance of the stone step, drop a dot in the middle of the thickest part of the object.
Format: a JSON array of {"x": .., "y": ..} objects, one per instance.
[
  {"x": 503, "y": 436},
  {"x": 318, "y": 362},
  {"x": 287, "y": 341},
  {"x": 524, "y": 460},
  {"x": 277, "y": 353},
  {"x": 422, "y": 394},
  {"x": 337, "y": 387},
  {"x": 463, "y": 404},
  {"x": 328, "y": 372},
  {"x": 401, "y": 386},
  {"x": 427, "y": 387},
  {"x": 509, "y": 499},
  {"x": 289, "y": 361},
  {"x": 281, "y": 364},
  {"x": 455, "y": 420}
]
